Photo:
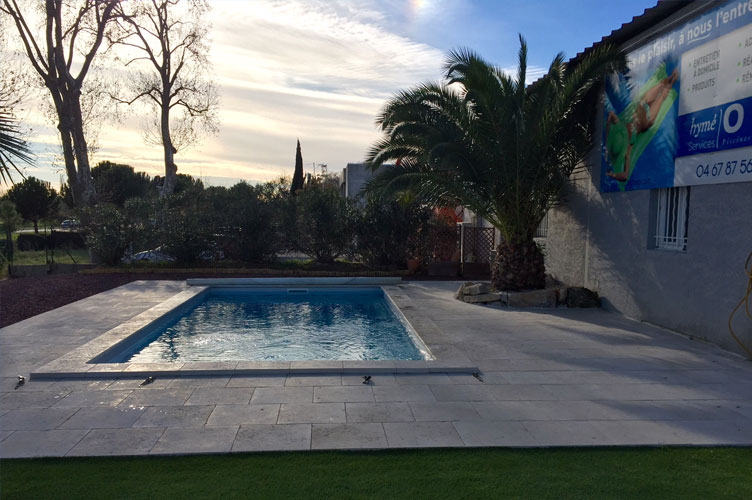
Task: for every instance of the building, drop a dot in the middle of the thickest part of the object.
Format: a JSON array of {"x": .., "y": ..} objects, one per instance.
[
  {"x": 665, "y": 238},
  {"x": 354, "y": 177}
]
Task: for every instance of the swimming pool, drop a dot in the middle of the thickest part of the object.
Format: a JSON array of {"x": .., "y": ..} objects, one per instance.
[{"x": 278, "y": 324}]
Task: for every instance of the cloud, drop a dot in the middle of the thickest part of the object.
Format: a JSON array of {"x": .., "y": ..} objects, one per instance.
[{"x": 315, "y": 70}]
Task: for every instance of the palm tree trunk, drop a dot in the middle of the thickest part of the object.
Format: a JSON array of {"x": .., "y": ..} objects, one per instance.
[{"x": 518, "y": 266}]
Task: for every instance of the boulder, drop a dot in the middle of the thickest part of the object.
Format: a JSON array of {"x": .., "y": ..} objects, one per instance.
[
  {"x": 482, "y": 298},
  {"x": 479, "y": 289},
  {"x": 532, "y": 298},
  {"x": 582, "y": 297}
]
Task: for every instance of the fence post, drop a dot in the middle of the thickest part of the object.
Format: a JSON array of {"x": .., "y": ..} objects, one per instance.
[{"x": 462, "y": 247}]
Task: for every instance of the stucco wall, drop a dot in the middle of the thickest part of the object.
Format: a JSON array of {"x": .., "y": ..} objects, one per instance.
[{"x": 601, "y": 240}]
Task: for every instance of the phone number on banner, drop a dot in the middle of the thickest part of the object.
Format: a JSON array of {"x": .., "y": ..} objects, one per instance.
[{"x": 733, "y": 165}]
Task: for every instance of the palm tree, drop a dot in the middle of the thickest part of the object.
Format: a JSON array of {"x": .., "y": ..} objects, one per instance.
[
  {"x": 12, "y": 146},
  {"x": 485, "y": 140}
]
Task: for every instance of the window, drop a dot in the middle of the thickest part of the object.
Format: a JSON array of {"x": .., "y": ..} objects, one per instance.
[
  {"x": 672, "y": 219},
  {"x": 542, "y": 231}
]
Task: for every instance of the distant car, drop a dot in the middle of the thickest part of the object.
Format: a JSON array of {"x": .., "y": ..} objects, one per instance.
[{"x": 70, "y": 224}]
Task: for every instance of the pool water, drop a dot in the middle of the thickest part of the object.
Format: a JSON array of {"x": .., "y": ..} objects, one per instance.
[{"x": 281, "y": 325}]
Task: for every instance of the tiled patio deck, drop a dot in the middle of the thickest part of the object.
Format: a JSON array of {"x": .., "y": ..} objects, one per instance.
[{"x": 549, "y": 378}]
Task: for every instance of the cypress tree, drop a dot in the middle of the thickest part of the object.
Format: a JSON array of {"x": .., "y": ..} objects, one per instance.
[{"x": 297, "y": 178}]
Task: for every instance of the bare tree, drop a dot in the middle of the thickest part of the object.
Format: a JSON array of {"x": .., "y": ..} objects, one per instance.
[
  {"x": 73, "y": 33},
  {"x": 167, "y": 40}
]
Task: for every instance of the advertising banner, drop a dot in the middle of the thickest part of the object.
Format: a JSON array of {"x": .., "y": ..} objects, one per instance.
[{"x": 681, "y": 114}]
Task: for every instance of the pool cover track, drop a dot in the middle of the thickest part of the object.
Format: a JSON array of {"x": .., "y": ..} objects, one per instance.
[{"x": 86, "y": 361}]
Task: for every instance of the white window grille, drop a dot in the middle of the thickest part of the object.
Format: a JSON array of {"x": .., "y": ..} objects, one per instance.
[
  {"x": 542, "y": 231},
  {"x": 672, "y": 219}
]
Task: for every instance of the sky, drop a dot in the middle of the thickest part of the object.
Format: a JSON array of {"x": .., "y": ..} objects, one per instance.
[{"x": 321, "y": 70}]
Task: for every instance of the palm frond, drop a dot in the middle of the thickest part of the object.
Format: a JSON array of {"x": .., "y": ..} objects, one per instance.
[
  {"x": 501, "y": 148},
  {"x": 12, "y": 147}
]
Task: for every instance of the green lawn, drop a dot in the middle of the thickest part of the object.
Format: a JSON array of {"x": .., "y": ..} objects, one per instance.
[
  {"x": 80, "y": 256},
  {"x": 707, "y": 473}
]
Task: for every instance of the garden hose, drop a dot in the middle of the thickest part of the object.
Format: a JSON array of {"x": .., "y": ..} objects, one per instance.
[{"x": 745, "y": 301}]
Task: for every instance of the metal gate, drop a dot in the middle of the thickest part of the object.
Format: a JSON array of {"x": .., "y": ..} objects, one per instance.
[{"x": 476, "y": 249}]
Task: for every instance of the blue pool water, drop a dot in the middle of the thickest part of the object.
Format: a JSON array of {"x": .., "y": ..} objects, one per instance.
[{"x": 280, "y": 325}]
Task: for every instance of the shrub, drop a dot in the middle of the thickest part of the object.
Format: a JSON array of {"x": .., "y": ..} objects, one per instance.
[
  {"x": 29, "y": 241},
  {"x": 144, "y": 216},
  {"x": 253, "y": 223},
  {"x": 107, "y": 232},
  {"x": 388, "y": 233},
  {"x": 6, "y": 249},
  {"x": 10, "y": 220},
  {"x": 184, "y": 228},
  {"x": 324, "y": 224},
  {"x": 67, "y": 239}
]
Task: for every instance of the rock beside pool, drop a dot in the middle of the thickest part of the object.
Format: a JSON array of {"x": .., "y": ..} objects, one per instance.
[
  {"x": 477, "y": 293},
  {"x": 481, "y": 293},
  {"x": 582, "y": 297},
  {"x": 483, "y": 298}
]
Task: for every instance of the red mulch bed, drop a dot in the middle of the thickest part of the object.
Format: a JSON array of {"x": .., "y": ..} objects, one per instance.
[{"x": 22, "y": 298}]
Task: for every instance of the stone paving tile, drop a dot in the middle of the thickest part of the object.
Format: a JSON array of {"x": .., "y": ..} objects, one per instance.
[
  {"x": 421, "y": 434},
  {"x": 157, "y": 397},
  {"x": 8, "y": 384},
  {"x": 462, "y": 392},
  {"x": 343, "y": 394},
  {"x": 174, "y": 416},
  {"x": 443, "y": 412},
  {"x": 111, "y": 442},
  {"x": 135, "y": 383},
  {"x": 572, "y": 377},
  {"x": 35, "y": 419},
  {"x": 312, "y": 380},
  {"x": 521, "y": 392},
  {"x": 467, "y": 379},
  {"x": 103, "y": 418},
  {"x": 228, "y": 415},
  {"x": 201, "y": 440},
  {"x": 379, "y": 412},
  {"x": 311, "y": 413},
  {"x": 185, "y": 382},
  {"x": 282, "y": 395},
  {"x": 54, "y": 443},
  {"x": 403, "y": 393},
  {"x": 422, "y": 378},
  {"x": 377, "y": 379},
  {"x": 78, "y": 399},
  {"x": 481, "y": 433},
  {"x": 742, "y": 407},
  {"x": 79, "y": 385},
  {"x": 637, "y": 392},
  {"x": 273, "y": 438},
  {"x": 253, "y": 381},
  {"x": 36, "y": 399},
  {"x": 567, "y": 433},
  {"x": 220, "y": 395},
  {"x": 347, "y": 436},
  {"x": 693, "y": 432}
]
